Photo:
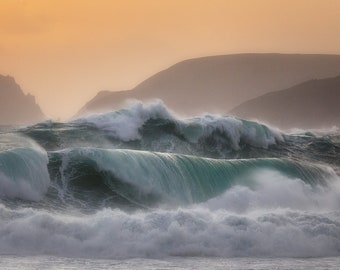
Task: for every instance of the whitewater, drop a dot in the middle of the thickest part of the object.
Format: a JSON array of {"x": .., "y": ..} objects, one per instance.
[{"x": 143, "y": 187}]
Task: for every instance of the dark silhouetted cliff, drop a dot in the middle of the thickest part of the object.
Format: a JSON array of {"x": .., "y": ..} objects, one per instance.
[{"x": 16, "y": 108}]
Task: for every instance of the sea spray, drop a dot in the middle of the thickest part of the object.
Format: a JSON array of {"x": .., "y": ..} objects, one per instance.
[
  {"x": 23, "y": 169},
  {"x": 152, "y": 127},
  {"x": 114, "y": 234},
  {"x": 143, "y": 182}
]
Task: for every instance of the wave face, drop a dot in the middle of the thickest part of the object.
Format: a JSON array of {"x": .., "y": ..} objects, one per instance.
[
  {"x": 145, "y": 178},
  {"x": 143, "y": 182}
]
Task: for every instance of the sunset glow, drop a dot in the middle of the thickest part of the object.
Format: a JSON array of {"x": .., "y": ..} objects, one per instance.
[{"x": 64, "y": 52}]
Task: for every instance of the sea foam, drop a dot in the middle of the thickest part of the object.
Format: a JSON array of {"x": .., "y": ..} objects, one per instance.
[
  {"x": 114, "y": 234},
  {"x": 127, "y": 124}
]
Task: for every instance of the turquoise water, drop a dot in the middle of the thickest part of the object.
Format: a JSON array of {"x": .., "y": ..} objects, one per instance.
[{"x": 141, "y": 187}]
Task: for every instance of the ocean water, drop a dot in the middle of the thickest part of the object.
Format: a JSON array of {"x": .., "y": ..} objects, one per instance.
[
  {"x": 47, "y": 262},
  {"x": 142, "y": 187}
]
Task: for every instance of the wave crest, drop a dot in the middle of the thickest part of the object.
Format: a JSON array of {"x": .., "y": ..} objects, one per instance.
[{"x": 135, "y": 123}]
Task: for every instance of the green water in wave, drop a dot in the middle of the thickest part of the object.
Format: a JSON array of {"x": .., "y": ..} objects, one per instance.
[{"x": 144, "y": 178}]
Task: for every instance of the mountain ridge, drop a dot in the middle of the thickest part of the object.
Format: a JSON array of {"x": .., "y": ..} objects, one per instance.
[
  {"x": 311, "y": 104},
  {"x": 219, "y": 83}
]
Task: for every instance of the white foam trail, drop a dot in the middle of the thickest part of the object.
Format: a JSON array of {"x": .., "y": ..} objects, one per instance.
[
  {"x": 160, "y": 233},
  {"x": 316, "y": 132},
  {"x": 271, "y": 190}
]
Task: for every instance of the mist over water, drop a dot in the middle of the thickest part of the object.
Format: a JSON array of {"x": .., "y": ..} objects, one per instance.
[{"x": 144, "y": 183}]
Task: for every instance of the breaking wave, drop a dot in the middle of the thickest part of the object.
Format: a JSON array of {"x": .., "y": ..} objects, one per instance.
[
  {"x": 153, "y": 127},
  {"x": 145, "y": 178},
  {"x": 143, "y": 182}
]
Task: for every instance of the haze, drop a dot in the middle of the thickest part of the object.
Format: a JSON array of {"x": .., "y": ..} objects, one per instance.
[{"x": 64, "y": 52}]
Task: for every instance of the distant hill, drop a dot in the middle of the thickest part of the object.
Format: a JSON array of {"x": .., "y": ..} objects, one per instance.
[
  {"x": 312, "y": 104},
  {"x": 15, "y": 107},
  {"x": 219, "y": 83}
]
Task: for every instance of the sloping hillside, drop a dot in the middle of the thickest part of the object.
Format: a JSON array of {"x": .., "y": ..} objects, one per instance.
[
  {"x": 219, "y": 83},
  {"x": 312, "y": 104}
]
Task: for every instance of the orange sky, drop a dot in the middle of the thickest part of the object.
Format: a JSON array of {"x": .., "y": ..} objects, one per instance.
[{"x": 65, "y": 51}]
